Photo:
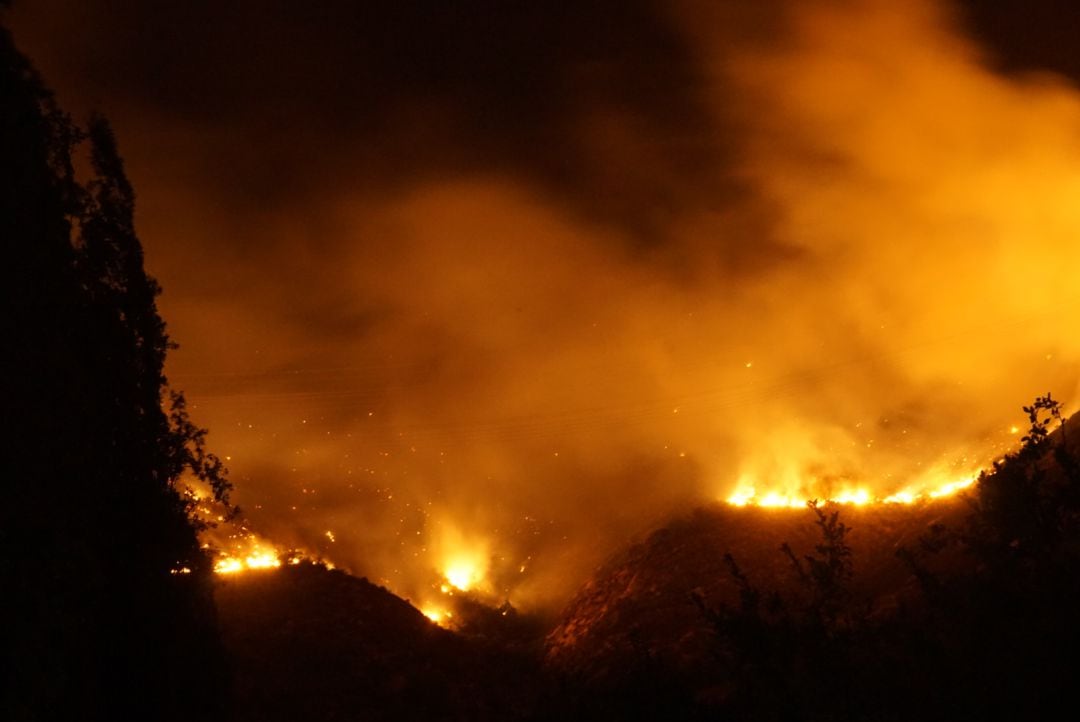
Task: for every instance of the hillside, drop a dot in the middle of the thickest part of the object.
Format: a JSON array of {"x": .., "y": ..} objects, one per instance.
[
  {"x": 308, "y": 643},
  {"x": 640, "y": 605},
  {"x": 316, "y": 644},
  {"x": 665, "y": 628},
  {"x": 979, "y": 616}
]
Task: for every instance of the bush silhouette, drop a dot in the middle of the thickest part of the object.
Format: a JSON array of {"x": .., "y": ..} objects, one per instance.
[{"x": 992, "y": 633}]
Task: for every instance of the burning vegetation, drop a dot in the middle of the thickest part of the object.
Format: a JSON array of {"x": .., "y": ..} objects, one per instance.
[
  {"x": 799, "y": 293},
  {"x": 866, "y": 259},
  {"x": 847, "y": 612},
  {"x": 748, "y": 495}
]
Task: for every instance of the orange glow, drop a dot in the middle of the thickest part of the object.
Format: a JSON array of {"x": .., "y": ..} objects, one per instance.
[
  {"x": 742, "y": 497},
  {"x": 950, "y": 488},
  {"x": 463, "y": 560},
  {"x": 748, "y": 496},
  {"x": 462, "y": 563},
  {"x": 257, "y": 558},
  {"x": 775, "y": 499},
  {"x": 857, "y": 497},
  {"x": 859, "y": 324},
  {"x": 437, "y": 615},
  {"x": 901, "y": 497},
  {"x": 228, "y": 565},
  {"x": 463, "y": 573},
  {"x": 238, "y": 549}
]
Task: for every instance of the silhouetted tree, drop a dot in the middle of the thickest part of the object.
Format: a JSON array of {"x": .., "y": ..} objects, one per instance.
[
  {"x": 789, "y": 655},
  {"x": 827, "y": 574},
  {"x": 93, "y": 525}
]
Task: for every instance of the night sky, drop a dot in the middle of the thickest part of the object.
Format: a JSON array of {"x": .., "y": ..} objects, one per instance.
[{"x": 529, "y": 278}]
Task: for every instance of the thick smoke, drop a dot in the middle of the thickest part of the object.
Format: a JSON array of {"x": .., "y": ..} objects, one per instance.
[{"x": 848, "y": 264}]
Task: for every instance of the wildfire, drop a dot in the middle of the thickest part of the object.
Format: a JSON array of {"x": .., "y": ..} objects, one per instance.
[
  {"x": 238, "y": 549},
  {"x": 464, "y": 573},
  {"x": 257, "y": 558},
  {"x": 462, "y": 563},
  {"x": 748, "y": 495},
  {"x": 437, "y": 615},
  {"x": 463, "y": 559},
  {"x": 951, "y": 488}
]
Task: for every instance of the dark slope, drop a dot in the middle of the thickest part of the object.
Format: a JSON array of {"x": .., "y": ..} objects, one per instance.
[
  {"x": 988, "y": 623},
  {"x": 311, "y": 644},
  {"x": 637, "y": 642},
  {"x": 639, "y": 607}
]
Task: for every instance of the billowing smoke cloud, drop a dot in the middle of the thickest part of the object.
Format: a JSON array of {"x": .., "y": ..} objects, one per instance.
[{"x": 509, "y": 318}]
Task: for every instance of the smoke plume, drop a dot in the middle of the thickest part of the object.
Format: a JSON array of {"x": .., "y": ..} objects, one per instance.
[{"x": 514, "y": 319}]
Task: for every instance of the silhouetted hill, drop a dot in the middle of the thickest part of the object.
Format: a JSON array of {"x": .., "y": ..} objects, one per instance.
[
  {"x": 976, "y": 613},
  {"x": 981, "y": 622},
  {"x": 315, "y": 644},
  {"x": 308, "y": 643},
  {"x": 639, "y": 607}
]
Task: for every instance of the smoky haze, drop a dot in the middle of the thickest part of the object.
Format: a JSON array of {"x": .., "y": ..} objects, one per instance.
[{"x": 525, "y": 282}]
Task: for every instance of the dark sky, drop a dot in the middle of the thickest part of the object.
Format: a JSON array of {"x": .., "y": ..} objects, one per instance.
[
  {"x": 376, "y": 95},
  {"x": 542, "y": 273},
  {"x": 271, "y": 103}
]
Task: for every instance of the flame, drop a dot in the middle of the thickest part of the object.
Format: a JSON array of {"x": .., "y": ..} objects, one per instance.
[
  {"x": 257, "y": 558},
  {"x": 901, "y": 497},
  {"x": 463, "y": 560},
  {"x": 901, "y": 248},
  {"x": 239, "y": 549},
  {"x": 461, "y": 563},
  {"x": 777, "y": 500},
  {"x": 437, "y": 615},
  {"x": 938, "y": 489},
  {"x": 794, "y": 464},
  {"x": 464, "y": 573},
  {"x": 951, "y": 488},
  {"x": 749, "y": 496},
  {"x": 857, "y": 497}
]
